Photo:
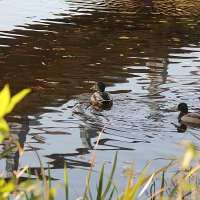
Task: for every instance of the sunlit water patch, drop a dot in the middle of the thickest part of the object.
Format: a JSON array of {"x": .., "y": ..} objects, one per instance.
[{"x": 16, "y": 13}]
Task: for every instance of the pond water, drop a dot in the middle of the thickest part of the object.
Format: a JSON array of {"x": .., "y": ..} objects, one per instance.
[{"x": 148, "y": 58}]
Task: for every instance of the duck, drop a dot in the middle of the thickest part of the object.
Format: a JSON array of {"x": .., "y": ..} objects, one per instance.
[
  {"x": 186, "y": 117},
  {"x": 100, "y": 98}
]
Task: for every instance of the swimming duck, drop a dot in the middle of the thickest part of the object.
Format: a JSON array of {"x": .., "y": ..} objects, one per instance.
[
  {"x": 100, "y": 98},
  {"x": 186, "y": 117}
]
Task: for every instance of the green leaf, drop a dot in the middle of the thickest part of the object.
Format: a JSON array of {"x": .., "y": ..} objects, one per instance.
[
  {"x": 173, "y": 192},
  {"x": 162, "y": 184},
  {"x": 4, "y": 99},
  {"x": 16, "y": 99},
  {"x": 111, "y": 177},
  {"x": 4, "y": 126},
  {"x": 4, "y": 129},
  {"x": 100, "y": 184},
  {"x": 111, "y": 194}
]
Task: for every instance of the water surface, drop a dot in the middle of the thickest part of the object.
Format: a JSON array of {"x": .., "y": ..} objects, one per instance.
[{"x": 149, "y": 61}]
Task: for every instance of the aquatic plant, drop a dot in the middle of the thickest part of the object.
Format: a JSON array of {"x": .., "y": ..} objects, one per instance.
[
  {"x": 182, "y": 183},
  {"x": 6, "y": 106}
]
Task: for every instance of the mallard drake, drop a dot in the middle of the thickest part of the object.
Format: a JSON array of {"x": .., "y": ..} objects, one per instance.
[
  {"x": 186, "y": 117},
  {"x": 100, "y": 97}
]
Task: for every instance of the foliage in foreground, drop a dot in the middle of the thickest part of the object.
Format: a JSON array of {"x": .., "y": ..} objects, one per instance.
[
  {"x": 184, "y": 183},
  {"x": 7, "y": 103}
]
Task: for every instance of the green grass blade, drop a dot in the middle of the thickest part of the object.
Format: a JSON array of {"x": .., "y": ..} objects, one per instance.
[
  {"x": 100, "y": 186},
  {"x": 6, "y": 152},
  {"x": 117, "y": 192},
  {"x": 85, "y": 197},
  {"x": 153, "y": 196},
  {"x": 135, "y": 189},
  {"x": 129, "y": 184},
  {"x": 90, "y": 194},
  {"x": 162, "y": 184},
  {"x": 49, "y": 177},
  {"x": 66, "y": 182},
  {"x": 111, "y": 194},
  {"x": 173, "y": 192},
  {"x": 110, "y": 177},
  {"x": 29, "y": 173},
  {"x": 152, "y": 189}
]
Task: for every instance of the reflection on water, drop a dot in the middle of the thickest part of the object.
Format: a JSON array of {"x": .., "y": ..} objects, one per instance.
[
  {"x": 36, "y": 11},
  {"x": 149, "y": 63}
]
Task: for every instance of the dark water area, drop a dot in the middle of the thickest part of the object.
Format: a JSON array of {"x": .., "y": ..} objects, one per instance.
[{"x": 149, "y": 59}]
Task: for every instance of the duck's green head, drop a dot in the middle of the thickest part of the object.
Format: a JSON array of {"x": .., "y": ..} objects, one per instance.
[
  {"x": 183, "y": 108},
  {"x": 99, "y": 86}
]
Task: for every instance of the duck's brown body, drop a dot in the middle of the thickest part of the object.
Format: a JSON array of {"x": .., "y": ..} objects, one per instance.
[
  {"x": 101, "y": 98},
  {"x": 192, "y": 118},
  {"x": 186, "y": 117}
]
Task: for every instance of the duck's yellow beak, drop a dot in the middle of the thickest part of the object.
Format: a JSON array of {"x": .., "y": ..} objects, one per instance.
[{"x": 93, "y": 87}]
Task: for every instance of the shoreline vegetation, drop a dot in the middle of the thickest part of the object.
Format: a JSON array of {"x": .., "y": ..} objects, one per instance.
[{"x": 184, "y": 183}]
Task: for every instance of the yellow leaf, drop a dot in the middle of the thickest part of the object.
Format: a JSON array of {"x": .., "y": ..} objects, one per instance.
[
  {"x": 7, "y": 188},
  {"x": 4, "y": 100},
  {"x": 16, "y": 99}
]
